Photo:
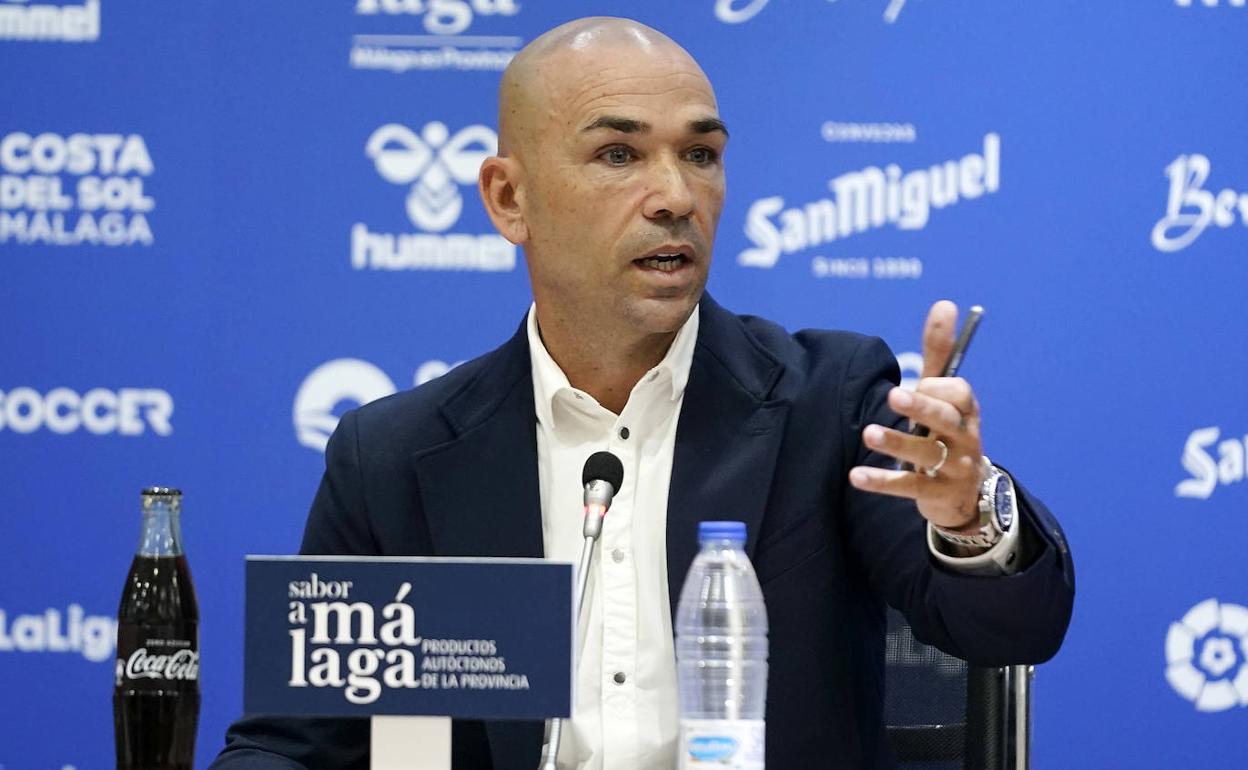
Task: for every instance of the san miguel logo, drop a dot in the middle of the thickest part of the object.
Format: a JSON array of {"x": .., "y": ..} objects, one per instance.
[{"x": 434, "y": 165}]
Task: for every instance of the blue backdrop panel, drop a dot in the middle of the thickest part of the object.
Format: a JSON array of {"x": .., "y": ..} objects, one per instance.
[{"x": 222, "y": 226}]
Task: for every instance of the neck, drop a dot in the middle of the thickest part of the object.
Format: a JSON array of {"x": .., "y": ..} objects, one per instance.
[{"x": 603, "y": 364}]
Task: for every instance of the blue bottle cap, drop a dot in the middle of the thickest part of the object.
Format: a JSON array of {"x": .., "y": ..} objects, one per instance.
[{"x": 721, "y": 530}]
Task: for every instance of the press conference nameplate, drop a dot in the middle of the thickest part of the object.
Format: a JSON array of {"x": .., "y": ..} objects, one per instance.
[{"x": 468, "y": 638}]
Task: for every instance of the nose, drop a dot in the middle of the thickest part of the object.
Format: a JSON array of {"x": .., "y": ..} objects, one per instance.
[{"x": 670, "y": 196}]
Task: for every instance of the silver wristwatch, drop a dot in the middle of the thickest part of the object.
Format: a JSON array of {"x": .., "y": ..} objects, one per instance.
[{"x": 997, "y": 511}]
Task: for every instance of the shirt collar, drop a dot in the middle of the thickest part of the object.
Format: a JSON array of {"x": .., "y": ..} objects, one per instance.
[{"x": 549, "y": 380}]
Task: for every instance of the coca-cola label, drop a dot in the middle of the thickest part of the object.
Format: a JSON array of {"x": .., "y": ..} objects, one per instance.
[{"x": 156, "y": 658}]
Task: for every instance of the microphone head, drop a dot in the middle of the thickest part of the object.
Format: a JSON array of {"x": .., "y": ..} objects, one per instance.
[{"x": 603, "y": 466}]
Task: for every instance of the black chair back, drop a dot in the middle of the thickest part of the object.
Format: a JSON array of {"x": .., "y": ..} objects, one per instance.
[{"x": 941, "y": 714}]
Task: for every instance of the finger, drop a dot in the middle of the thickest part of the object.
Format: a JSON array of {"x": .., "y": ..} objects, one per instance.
[
  {"x": 940, "y": 417},
  {"x": 938, "y": 334},
  {"x": 939, "y": 501},
  {"x": 918, "y": 451},
  {"x": 889, "y": 482},
  {"x": 954, "y": 390}
]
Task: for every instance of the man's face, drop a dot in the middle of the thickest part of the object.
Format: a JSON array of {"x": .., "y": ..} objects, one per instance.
[{"x": 625, "y": 189}]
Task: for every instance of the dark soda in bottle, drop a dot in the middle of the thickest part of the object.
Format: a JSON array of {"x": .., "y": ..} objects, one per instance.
[{"x": 156, "y": 687}]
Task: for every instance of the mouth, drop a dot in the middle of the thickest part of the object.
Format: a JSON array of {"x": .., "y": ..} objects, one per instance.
[{"x": 666, "y": 259}]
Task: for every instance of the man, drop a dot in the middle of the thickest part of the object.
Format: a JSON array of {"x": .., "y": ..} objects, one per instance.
[{"x": 610, "y": 175}]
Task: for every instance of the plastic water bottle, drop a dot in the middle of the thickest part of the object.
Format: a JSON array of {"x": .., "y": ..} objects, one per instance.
[{"x": 721, "y": 655}]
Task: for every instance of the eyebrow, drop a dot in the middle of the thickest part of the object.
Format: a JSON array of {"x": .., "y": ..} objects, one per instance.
[{"x": 631, "y": 126}]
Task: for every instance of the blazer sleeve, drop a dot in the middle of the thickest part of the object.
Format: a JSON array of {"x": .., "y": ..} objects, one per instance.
[{"x": 988, "y": 621}]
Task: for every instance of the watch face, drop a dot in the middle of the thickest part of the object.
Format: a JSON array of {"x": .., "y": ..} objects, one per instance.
[{"x": 1003, "y": 502}]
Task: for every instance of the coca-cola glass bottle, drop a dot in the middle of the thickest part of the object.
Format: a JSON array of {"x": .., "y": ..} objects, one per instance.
[{"x": 156, "y": 691}]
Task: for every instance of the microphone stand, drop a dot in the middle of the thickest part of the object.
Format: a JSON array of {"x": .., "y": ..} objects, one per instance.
[{"x": 598, "y": 496}]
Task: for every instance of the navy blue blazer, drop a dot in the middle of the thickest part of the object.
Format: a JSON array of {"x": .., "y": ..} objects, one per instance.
[{"x": 770, "y": 426}]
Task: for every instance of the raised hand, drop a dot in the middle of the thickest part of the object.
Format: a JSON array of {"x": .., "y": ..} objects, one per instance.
[{"x": 948, "y": 463}]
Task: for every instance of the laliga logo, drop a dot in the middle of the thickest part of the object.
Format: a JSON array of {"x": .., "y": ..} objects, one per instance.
[
  {"x": 345, "y": 379},
  {"x": 435, "y": 163},
  {"x": 1206, "y": 654},
  {"x": 738, "y": 11},
  {"x": 1190, "y": 208}
]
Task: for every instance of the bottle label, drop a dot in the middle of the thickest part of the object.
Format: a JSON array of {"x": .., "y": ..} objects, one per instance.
[
  {"x": 156, "y": 657},
  {"x": 723, "y": 744}
]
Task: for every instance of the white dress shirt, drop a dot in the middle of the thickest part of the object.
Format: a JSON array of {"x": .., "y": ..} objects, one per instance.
[{"x": 626, "y": 715}]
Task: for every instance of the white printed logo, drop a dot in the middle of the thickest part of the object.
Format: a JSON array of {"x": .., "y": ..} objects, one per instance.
[
  {"x": 79, "y": 189},
  {"x": 867, "y": 200},
  {"x": 92, "y": 636},
  {"x": 738, "y": 11},
  {"x": 1206, "y": 472},
  {"x": 396, "y": 656},
  {"x": 1210, "y": 3},
  {"x": 44, "y": 22},
  {"x": 1190, "y": 208},
  {"x": 435, "y": 163},
  {"x": 836, "y": 132},
  {"x": 1206, "y": 654},
  {"x": 127, "y": 411},
  {"x": 345, "y": 380},
  {"x": 182, "y": 665},
  {"x": 441, "y": 49}
]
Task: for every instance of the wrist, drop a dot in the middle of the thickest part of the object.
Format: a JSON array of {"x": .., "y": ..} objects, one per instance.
[{"x": 995, "y": 511}]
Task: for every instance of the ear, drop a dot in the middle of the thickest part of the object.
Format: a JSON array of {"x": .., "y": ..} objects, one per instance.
[{"x": 502, "y": 192}]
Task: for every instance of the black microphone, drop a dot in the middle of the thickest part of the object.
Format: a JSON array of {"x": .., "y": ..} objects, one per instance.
[{"x": 602, "y": 476}]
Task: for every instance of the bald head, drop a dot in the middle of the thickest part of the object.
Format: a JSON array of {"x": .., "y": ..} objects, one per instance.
[
  {"x": 563, "y": 64},
  {"x": 610, "y": 175}
]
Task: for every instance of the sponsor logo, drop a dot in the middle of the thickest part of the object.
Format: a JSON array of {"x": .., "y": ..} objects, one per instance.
[
  {"x": 341, "y": 384},
  {"x": 866, "y": 200},
  {"x": 838, "y": 132},
  {"x": 1190, "y": 208},
  {"x": 1206, "y": 471},
  {"x": 409, "y": 660},
  {"x": 443, "y": 46},
  {"x": 713, "y": 748},
  {"x": 91, "y": 636},
  {"x": 46, "y": 23},
  {"x": 78, "y": 189},
  {"x": 738, "y": 11},
  {"x": 126, "y": 412},
  {"x": 1206, "y": 654},
  {"x": 1210, "y": 3},
  {"x": 435, "y": 164},
  {"x": 182, "y": 665}
]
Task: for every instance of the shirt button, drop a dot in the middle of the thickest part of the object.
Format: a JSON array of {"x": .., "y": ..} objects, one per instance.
[
  {"x": 619, "y": 677},
  {"x": 617, "y": 555},
  {"x": 624, "y": 433}
]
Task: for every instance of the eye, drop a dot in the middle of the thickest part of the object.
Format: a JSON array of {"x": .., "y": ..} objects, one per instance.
[
  {"x": 617, "y": 155},
  {"x": 702, "y": 156}
]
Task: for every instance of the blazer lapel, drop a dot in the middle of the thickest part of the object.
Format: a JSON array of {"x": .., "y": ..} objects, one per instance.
[
  {"x": 479, "y": 491},
  {"x": 727, "y": 440}
]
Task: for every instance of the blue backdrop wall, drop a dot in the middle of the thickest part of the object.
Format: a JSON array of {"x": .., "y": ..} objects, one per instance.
[{"x": 223, "y": 224}]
